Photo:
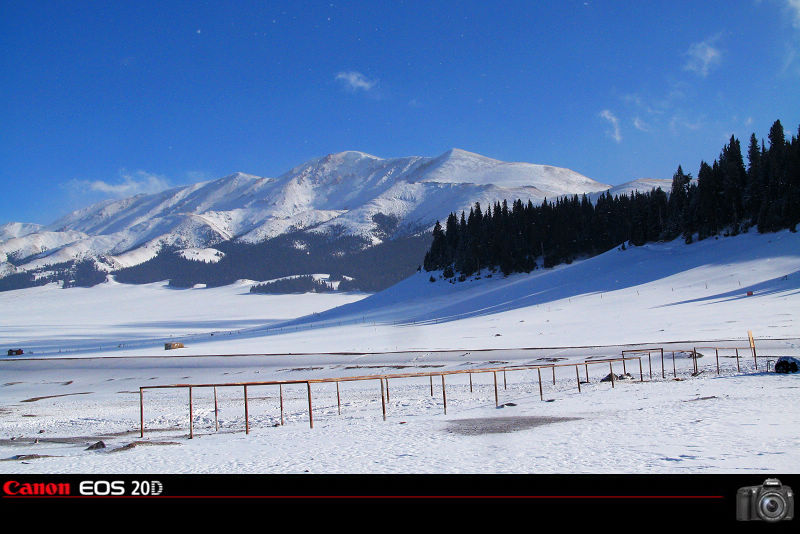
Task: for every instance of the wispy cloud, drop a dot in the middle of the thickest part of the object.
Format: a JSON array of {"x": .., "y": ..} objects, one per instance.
[
  {"x": 678, "y": 122},
  {"x": 355, "y": 81},
  {"x": 640, "y": 104},
  {"x": 130, "y": 183},
  {"x": 639, "y": 124},
  {"x": 704, "y": 56},
  {"x": 791, "y": 56},
  {"x": 614, "y": 133},
  {"x": 794, "y": 9}
]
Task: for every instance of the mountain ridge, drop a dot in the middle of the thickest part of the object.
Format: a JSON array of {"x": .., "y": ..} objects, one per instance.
[{"x": 349, "y": 193}]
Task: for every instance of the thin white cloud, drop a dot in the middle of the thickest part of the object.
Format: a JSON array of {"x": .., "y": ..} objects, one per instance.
[
  {"x": 131, "y": 184},
  {"x": 794, "y": 9},
  {"x": 704, "y": 56},
  {"x": 614, "y": 133},
  {"x": 678, "y": 122},
  {"x": 639, "y": 124},
  {"x": 640, "y": 104},
  {"x": 356, "y": 81}
]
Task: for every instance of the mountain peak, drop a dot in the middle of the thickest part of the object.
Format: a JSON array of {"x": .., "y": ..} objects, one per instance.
[
  {"x": 351, "y": 154},
  {"x": 239, "y": 176},
  {"x": 460, "y": 153}
]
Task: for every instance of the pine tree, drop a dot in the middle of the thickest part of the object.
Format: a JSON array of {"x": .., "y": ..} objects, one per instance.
[
  {"x": 678, "y": 203},
  {"x": 753, "y": 189}
]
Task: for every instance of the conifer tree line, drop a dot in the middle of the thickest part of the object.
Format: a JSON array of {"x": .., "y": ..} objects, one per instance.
[
  {"x": 726, "y": 198},
  {"x": 297, "y": 284}
]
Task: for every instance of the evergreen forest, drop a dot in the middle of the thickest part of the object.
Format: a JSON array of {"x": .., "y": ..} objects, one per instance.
[{"x": 726, "y": 198}]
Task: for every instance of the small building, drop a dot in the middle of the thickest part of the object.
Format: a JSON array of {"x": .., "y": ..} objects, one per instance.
[{"x": 173, "y": 345}]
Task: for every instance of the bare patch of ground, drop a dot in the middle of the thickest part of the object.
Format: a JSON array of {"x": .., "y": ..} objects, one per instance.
[
  {"x": 133, "y": 444},
  {"x": 391, "y": 366},
  {"x": 20, "y": 457},
  {"x": 129, "y": 446},
  {"x": 499, "y": 425},
  {"x": 701, "y": 398},
  {"x": 82, "y": 440},
  {"x": 34, "y": 399}
]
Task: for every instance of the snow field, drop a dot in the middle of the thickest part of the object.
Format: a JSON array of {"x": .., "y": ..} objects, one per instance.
[
  {"x": 633, "y": 427},
  {"x": 666, "y": 294}
]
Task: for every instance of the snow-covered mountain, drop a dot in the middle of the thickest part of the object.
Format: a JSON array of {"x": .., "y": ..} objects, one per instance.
[{"x": 345, "y": 194}]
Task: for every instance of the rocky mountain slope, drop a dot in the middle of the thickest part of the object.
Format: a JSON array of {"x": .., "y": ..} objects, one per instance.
[{"x": 349, "y": 195}]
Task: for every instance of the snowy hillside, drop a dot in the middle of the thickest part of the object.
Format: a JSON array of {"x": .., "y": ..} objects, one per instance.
[
  {"x": 640, "y": 185},
  {"x": 349, "y": 193},
  {"x": 654, "y": 293},
  {"x": 16, "y": 229},
  {"x": 89, "y": 350}
]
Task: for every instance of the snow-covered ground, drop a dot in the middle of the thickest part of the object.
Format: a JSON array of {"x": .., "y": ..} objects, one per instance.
[
  {"x": 49, "y": 320},
  {"x": 647, "y": 296}
]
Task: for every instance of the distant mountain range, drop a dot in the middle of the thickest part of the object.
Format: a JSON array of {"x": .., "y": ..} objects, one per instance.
[{"x": 327, "y": 208}]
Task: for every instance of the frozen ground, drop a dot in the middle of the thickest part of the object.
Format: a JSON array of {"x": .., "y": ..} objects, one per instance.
[
  {"x": 49, "y": 320},
  {"x": 55, "y": 406}
]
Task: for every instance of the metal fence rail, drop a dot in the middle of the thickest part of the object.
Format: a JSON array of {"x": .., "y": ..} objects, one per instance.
[
  {"x": 384, "y": 382},
  {"x": 627, "y": 355},
  {"x": 716, "y": 352}
]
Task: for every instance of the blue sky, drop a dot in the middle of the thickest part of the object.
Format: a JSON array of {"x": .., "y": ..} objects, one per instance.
[{"x": 109, "y": 99}]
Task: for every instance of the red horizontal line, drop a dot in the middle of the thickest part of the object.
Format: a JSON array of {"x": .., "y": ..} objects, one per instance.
[{"x": 655, "y": 497}]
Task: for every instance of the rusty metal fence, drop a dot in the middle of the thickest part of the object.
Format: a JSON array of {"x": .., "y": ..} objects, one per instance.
[
  {"x": 384, "y": 386},
  {"x": 627, "y": 356}
]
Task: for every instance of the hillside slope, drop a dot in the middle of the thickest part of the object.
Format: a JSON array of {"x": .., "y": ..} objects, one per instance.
[
  {"x": 650, "y": 294},
  {"x": 349, "y": 194}
]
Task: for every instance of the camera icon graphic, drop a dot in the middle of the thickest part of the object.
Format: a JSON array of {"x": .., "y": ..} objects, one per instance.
[{"x": 771, "y": 502}]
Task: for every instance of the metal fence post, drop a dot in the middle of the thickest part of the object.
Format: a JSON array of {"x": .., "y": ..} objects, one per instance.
[
  {"x": 141, "y": 412},
  {"x": 444, "y": 396},
  {"x": 191, "y": 419},
  {"x": 539, "y": 372},
  {"x": 246, "y": 413},
  {"x": 383, "y": 400},
  {"x": 310, "y": 410}
]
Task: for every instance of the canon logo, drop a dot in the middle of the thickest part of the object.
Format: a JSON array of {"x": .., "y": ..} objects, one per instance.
[{"x": 12, "y": 487}]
